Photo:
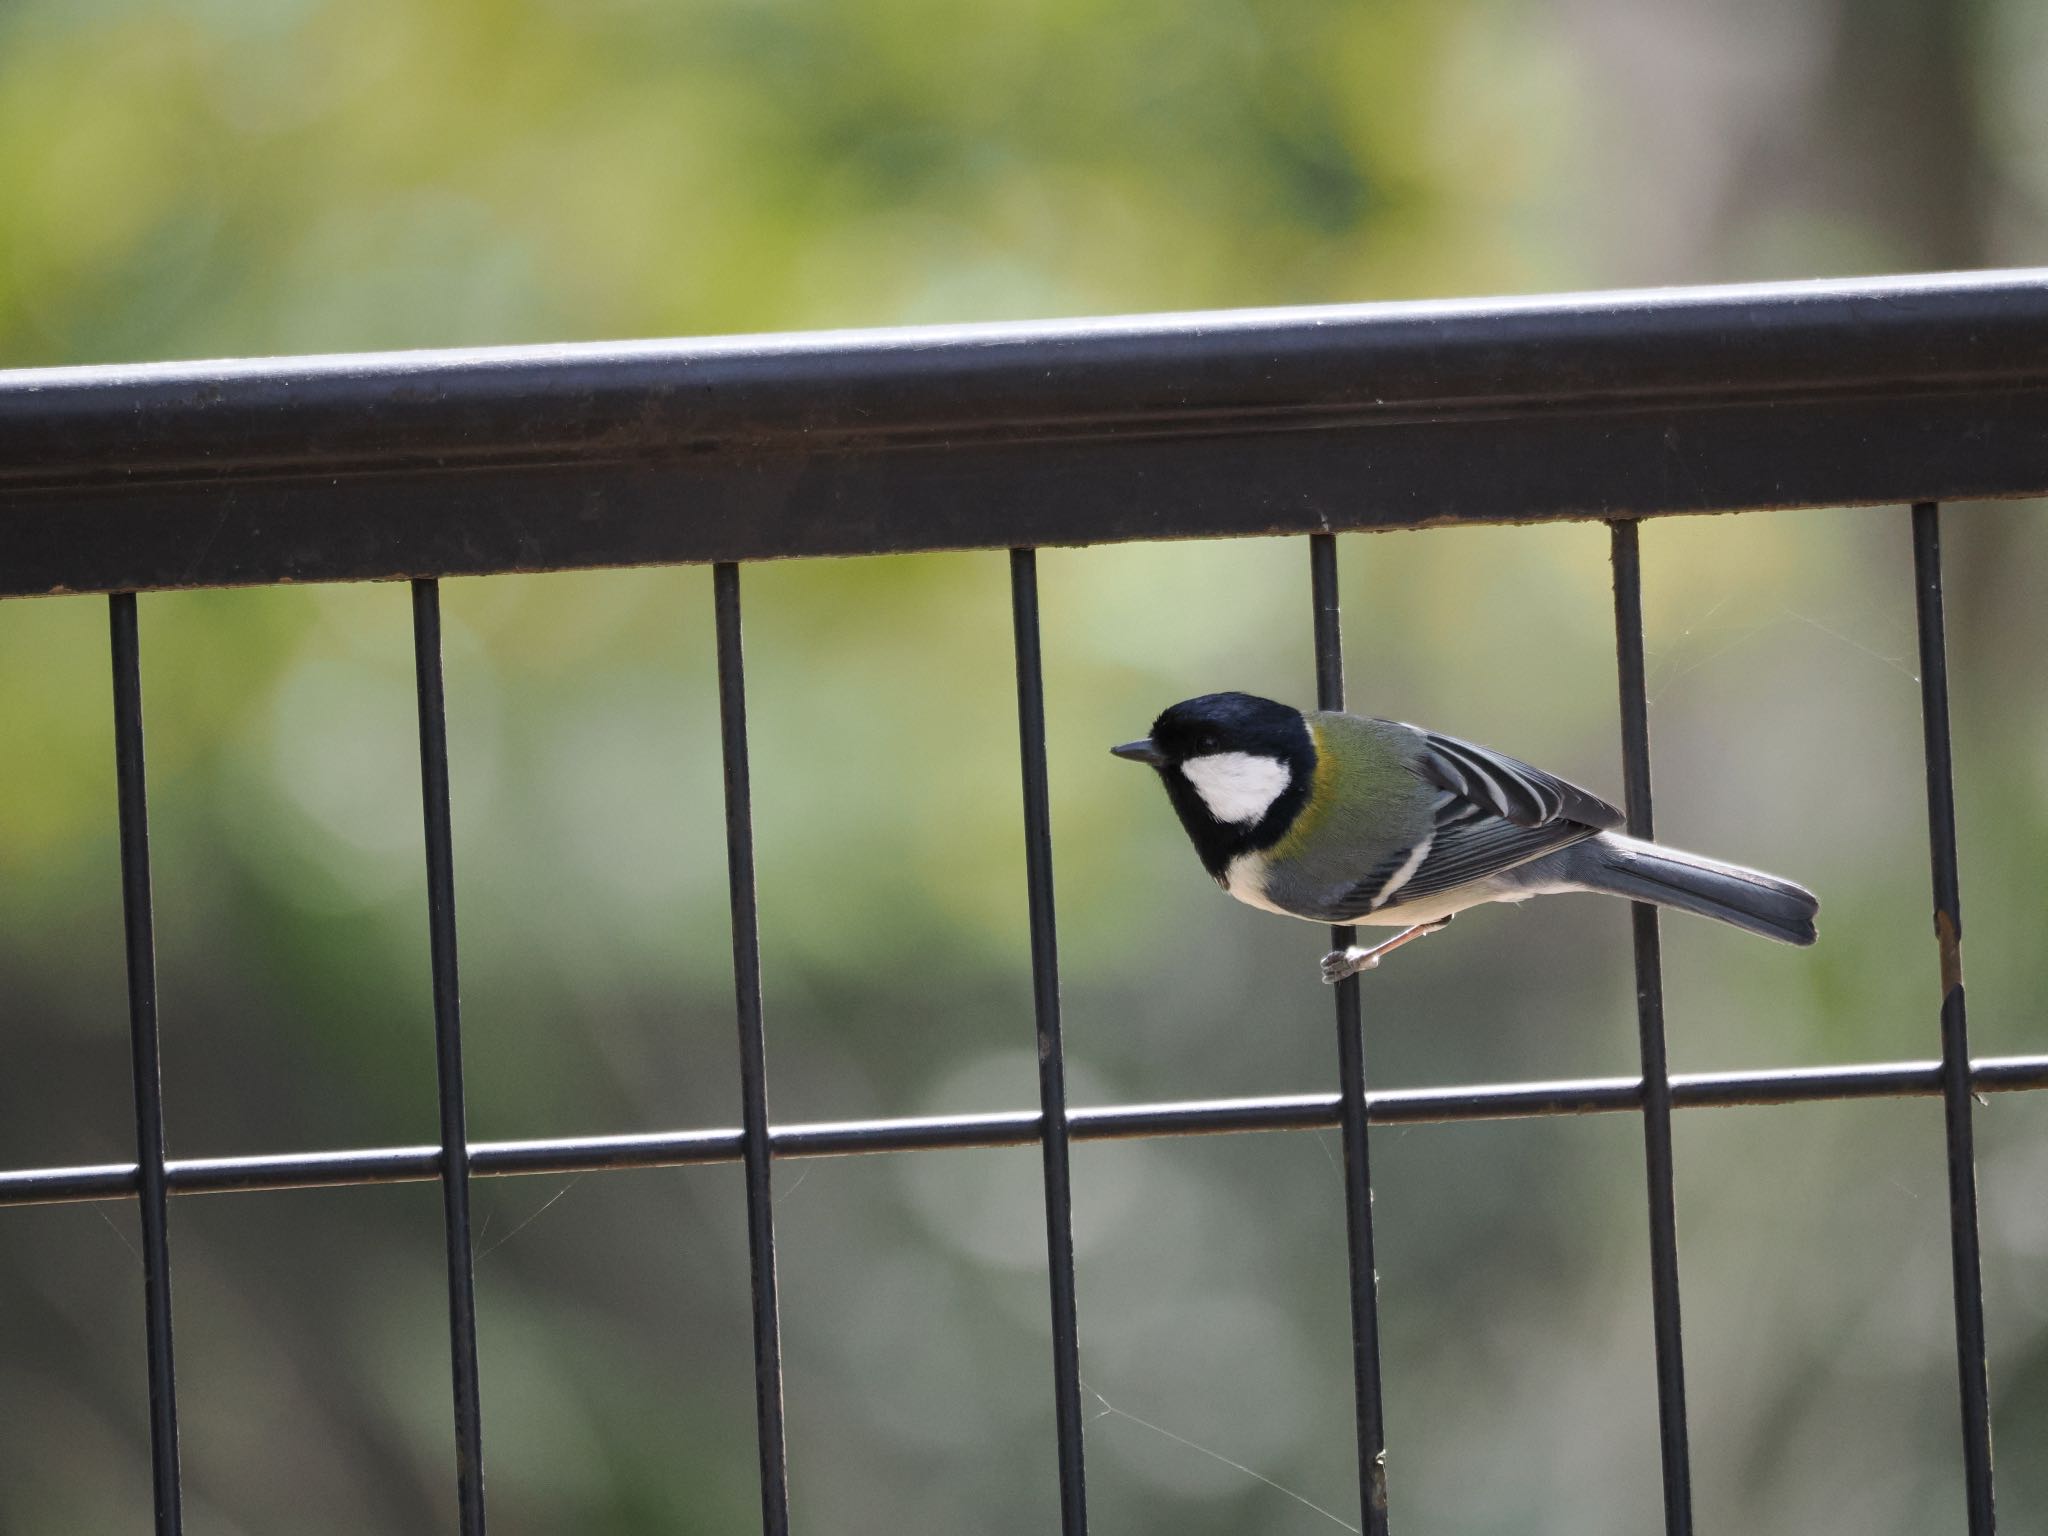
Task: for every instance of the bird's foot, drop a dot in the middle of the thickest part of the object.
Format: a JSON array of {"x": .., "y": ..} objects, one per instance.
[{"x": 1339, "y": 963}]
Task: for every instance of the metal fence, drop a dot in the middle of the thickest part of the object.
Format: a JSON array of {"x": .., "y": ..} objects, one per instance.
[{"x": 1313, "y": 422}]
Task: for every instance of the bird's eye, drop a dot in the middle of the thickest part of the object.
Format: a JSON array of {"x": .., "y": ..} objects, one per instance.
[{"x": 1206, "y": 745}]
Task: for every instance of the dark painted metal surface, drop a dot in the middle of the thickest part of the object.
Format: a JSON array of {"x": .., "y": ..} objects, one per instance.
[
  {"x": 1020, "y": 1127},
  {"x": 1649, "y": 964},
  {"x": 1052, "y": 1070},
  {"x": 754, "y": 1134},
  {"x": 1372, "y": 416},
  {"x": 1972, "y": 1368},
  {"x": 132, "y": 792},
  {"x": 1352, "y": 1108},
  {"x": 453, "y": 1158}
]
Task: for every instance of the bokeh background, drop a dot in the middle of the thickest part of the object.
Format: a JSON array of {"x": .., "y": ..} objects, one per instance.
[{"x": 235, "y": 177}]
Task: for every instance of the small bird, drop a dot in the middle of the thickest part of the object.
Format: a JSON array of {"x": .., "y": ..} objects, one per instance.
[{"x": 1338, "y": 818}]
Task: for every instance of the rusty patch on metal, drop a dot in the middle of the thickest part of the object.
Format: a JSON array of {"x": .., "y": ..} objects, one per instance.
[{"x": 1951, "y": 943}]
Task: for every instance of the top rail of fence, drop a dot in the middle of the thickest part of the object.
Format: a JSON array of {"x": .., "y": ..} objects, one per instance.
[{"x": 410, "y": 464}]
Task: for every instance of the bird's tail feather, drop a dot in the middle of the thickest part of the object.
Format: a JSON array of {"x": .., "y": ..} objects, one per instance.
[{"x": 1747, "y": 898}]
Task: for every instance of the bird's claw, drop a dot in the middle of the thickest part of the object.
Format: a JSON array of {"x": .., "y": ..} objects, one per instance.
[{"x": 1340, "y": 963}]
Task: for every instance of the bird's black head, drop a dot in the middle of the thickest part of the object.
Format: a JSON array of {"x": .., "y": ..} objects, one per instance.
[{"x": 1237, "y": 767}]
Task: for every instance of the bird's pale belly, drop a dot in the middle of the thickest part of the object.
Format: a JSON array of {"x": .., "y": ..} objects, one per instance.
[{"x": 1245, "y": 878}]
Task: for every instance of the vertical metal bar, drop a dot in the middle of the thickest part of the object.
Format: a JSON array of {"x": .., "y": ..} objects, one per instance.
[
  {"x": 746, "y": 970},
  {"x": 1365, "y": 1314},
  {"x": 1052, "y": 1078},
  {"x": 131, "y": 784},
  {"x": 469, "y": 1463},
  {"x": 1972, "y": 1367},
  {"x": 1649, "y": 955}
]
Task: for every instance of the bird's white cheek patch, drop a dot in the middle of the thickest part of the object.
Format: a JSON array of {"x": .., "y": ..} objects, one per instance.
[{"x": 1238, "y": 787}]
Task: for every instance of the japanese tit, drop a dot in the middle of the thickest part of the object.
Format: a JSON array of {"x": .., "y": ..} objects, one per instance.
[{"x": 1338, "y": 819}]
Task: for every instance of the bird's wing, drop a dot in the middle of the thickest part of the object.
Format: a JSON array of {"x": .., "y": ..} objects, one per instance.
[
  {"x": 1491, "y": 813},
  {"x": 1458, "y": 854},
  {"x": 1506, "y": 787}
]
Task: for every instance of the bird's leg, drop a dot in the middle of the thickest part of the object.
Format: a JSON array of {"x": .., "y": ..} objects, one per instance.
[{"x": 1339, "y": 963}]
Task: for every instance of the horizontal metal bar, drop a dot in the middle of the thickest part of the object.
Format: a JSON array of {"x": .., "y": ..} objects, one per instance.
[
  {"x": 1013, "y": 1128},
  {"x": 1175, "y": 426}
]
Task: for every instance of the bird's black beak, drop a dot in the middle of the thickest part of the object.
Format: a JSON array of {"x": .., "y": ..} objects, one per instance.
[{"x": 1141, "y": 752}]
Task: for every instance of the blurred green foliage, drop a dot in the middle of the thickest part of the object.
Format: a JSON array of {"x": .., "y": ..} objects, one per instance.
[{"x": 229, "y": 177}]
